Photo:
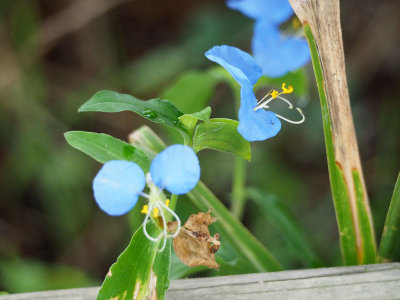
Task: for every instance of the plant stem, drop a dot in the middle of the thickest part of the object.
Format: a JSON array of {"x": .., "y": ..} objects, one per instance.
[
  {"x": 238, "y": 187},
  {"x": 238, "y": 194}
]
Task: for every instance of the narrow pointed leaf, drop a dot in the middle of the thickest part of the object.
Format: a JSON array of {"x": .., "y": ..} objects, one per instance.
[
  {"x": 284, "y": 222},
  {"x": 103, "y": 147},
  {"x": 389, "y": 249},
  {"x": 155, "y": 110}
]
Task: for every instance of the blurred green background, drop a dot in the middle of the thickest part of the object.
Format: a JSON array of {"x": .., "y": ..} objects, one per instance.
[{"x": 54, "y": 55}]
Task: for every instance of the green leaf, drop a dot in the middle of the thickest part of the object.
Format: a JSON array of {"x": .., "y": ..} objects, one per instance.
[
  {"x": 367, "y": 234},
  {"x": 241, "y": 240},
  {"x": 389, "y": 249},
  {"x": 222, "y": 135},
  {"x": 103, "y": 147},
  {"x": 155, "y": 110},
  {"x": 192, "y": 91},
  {"x": 284, "y": 222},
  {"x": 190, "y": 120},
  {"x": 141, "y": 272}
]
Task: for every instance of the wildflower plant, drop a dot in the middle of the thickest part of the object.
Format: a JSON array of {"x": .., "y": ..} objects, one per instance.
[{"x": 142, "y": 271}]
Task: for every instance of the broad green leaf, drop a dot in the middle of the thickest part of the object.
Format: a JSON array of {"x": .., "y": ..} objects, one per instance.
[
  {"x": 241, "y": 240},
  {"x": 283, "y": 221},
  {"x": 141, "y": 272},
  {"x": 352, "y": 251},
  {"x": 222, "y": 135},
  {"x": 192, "y": 91},
  {"x": 155, "y": 110},
  {"x": 103, "y": 147},
  {"x": 190, "y": 120},
  {"x": 389, "y": 249}
]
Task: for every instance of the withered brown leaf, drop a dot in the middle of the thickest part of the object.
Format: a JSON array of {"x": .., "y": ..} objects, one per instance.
[{"x": 194, "y": 245}]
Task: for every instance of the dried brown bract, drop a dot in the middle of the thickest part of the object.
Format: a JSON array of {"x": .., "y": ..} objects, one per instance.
[{"x": 194, "y": 245}]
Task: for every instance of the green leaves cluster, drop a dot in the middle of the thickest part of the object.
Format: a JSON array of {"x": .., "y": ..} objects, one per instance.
[{"x": 197, "y": 129}]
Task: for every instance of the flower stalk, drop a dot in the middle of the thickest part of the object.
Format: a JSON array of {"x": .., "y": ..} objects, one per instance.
[{"x": 321, "y": 23}]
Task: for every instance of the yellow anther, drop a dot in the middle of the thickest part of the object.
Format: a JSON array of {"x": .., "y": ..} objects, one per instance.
[
  {"x": 296, "y": 23},
  {"x": 287, "y": 90},
  {"x": 155, "y": 212},
  {"x": 145, "y": 209},
  {"x": 274, "y": 94},
  {"x": 167, "y": 202}
]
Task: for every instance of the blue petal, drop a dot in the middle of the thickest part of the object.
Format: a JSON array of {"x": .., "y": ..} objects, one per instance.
[
  {"x": 117, "y": 185},
  {"x": 238, "y": 63},
  {"x": 176, "y": 168},
  {"x": 275, "y": 54},
  {"x": 273, "y": 11},
  {"x": 255, "y": 125}
]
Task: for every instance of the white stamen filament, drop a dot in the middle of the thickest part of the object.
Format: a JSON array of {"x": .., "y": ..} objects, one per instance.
[
  {"x": 259, "y": 102},
  {"x": 265, "y": 105},
  {"x": 175, "y": 234},
  {"x": 291, "y": 121},
  {"x": 156, "y": 202},
  {"x": 146, "y": 218},
  {"x": 144, "y": 195}
]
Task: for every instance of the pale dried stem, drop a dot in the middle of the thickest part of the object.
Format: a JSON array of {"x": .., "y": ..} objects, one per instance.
[{"x": 323, "y": 16}]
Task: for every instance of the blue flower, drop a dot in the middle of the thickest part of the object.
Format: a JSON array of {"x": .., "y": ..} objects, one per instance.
[
  {"x": 275, "y": 53},
  {"x": 255, "y": 123},
  {"x": 118, "y": 184}
]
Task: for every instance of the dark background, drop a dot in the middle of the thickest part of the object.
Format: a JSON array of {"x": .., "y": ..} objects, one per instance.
[{"x": 54, "y": 55}]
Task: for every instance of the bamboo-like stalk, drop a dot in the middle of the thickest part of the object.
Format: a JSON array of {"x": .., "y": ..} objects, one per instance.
[{"x": 322, "y": 19}]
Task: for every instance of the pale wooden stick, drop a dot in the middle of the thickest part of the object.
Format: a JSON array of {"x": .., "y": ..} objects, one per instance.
[{"x": 323, "y": 16}]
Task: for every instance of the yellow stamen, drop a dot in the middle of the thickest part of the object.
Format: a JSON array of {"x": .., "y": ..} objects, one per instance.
[
  {"x": 145, "y": 209},
  {"x": 274, "y": 94},
  {"x": 167, "y": 202},
  {"x": 287, "y": 90},
  {"x": 296, "y": 23},
  {"x": 155, "y": 212}
]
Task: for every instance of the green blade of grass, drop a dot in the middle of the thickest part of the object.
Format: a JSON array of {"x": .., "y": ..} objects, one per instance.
[{"x": 389, "y": 248}]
